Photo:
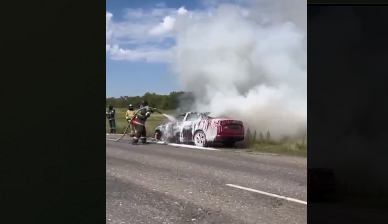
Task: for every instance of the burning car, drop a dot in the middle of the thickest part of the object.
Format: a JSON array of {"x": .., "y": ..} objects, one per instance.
[
  {"x": 320, "y": 180},
  {"x": 201, "y": 129}
]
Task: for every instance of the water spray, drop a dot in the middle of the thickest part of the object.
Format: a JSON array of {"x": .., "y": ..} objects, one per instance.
[{"x": 170, "y": 118}]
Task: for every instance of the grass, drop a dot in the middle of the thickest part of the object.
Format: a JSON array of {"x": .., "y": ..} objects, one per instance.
[
  {"x": 265, "y": 144},
  {"x": 256, "y": 144},
  {"x": 290, "y": 148}
]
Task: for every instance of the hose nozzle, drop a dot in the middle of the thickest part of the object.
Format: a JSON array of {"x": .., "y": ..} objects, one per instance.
[{"x": 156, "y": 110}]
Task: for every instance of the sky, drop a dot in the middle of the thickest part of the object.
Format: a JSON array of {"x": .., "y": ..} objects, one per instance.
[{"x": 139, "y": 40}]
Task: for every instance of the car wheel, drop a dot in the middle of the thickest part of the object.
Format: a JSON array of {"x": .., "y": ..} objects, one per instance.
[
  {"x": 200, "y": 139},
  {"x": 228, "y": 143},
  {"x": 158, "y": 135}
]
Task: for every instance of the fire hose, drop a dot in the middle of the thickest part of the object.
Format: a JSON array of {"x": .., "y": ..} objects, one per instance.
[{"x": 131, "y": 121}]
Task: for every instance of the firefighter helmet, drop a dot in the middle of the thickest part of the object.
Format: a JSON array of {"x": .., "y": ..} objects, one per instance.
[{"x": 144, "y": 103}]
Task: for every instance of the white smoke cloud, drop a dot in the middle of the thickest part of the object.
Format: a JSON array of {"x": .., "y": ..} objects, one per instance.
[{"x": 247, "y": 65}]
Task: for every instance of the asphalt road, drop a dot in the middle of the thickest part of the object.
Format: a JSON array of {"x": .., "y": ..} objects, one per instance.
[{"x": 165, "y": 184}]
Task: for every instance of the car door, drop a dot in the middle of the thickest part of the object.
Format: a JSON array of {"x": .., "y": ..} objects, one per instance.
[
  {"x": 176, "y": 127},
  {"x": 188, "y": 126}
]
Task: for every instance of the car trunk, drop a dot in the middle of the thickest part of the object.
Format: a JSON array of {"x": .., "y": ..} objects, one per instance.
[{"x": 231, "y": 127}]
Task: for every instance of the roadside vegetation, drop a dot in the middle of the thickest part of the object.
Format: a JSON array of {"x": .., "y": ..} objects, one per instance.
[
  {"x": 162, "y": 102},
  {"x": 255, "y": 141},
  {"x": 258, "y": 142}
]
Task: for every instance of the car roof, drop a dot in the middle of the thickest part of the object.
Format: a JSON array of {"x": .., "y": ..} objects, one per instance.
[{"x": 194, "y": 112}]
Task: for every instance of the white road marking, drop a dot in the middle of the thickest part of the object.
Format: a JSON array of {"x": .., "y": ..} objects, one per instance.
[
  {"x": 176, "y": 145},
  {"x": 192, "y": 147},
  {"x": 268, "y": 194}
]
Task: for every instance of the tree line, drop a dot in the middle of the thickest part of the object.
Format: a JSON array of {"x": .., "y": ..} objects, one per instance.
[{"x": 164, "y": 102}]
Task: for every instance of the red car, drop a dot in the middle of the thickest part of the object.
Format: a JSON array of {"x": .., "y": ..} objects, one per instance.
[
  {"x": 320, "y": 181},
  {"x": 201, "y": 129}
]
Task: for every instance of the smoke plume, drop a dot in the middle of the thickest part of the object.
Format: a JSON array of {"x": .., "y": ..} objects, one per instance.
[{"x": 250, "y": 67}]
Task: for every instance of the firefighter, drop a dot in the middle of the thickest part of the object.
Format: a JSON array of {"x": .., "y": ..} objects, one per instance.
[
  {"x": 139, "y": 123},
  {"x": 129, "y": 116},
  {"x": 110, "y": 115}
]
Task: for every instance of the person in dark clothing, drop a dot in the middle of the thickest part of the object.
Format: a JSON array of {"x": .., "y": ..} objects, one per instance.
[
  {"x": 140, "y": 121},
  {"x": 110, "y": 115}
]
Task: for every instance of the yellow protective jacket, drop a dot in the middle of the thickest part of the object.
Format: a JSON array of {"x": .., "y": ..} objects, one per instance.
[{"x": 129, "y": 114}]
